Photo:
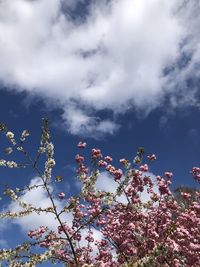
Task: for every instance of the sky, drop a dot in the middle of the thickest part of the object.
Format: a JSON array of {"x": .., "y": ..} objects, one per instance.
[{"x": 118, "y": 74}]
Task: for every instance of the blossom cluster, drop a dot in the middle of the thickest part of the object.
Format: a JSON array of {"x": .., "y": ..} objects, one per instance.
[{"x": 158, "y": 232}]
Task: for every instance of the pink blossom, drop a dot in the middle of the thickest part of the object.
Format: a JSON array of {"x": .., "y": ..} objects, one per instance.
[
  {"x": 61, "y": 195},
  {"x": 110, "y": 168},
  {"x": 96, "y": 153},
  {"x": 152, "y": 157},
  {"x": 82, "y": 169},
  {"x": 186, "y": 195},
  {"x": 168, "y": 174},
  {"x": 108, "y": 158},
  {"x": 144, "y": 168},
  {"x": 196, "y": 173},
  {"x": 118, "y": 174},
  {"x": 123, "y": 161},
  {"x": 102, "y": 163},
  {"x": 79, "y": 158},
  {"x": 81, "y": 144}
]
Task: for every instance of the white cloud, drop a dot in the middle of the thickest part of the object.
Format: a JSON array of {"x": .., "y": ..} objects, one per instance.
[
  {"x": 113, "y": 60},
  {"x": 38, "y": 198},
  {"x": 80, "y": 122}
]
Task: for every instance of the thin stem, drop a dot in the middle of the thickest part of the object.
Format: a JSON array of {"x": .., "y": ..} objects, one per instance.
[{"x": 57, "y": 215}]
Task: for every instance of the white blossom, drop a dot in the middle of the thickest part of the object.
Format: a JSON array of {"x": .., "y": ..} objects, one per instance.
[
  {"x": 2, "y": 162},
  {"x": 11, "y": 164},
  {"x": 10, "y": 135}
]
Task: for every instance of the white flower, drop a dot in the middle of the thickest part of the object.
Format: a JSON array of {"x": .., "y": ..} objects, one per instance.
[
  {"x": 50, "y": 163},
  {"x": 25, "y": 134},
  {"x": 10, "y": 135},
  {"x": 108, "y": 200},
  {"x": 2, "y": 162},
  {"x": 41, "y": 150},
  {"x": 50, "y": 150},
  {"x": 11, "y": 164}
]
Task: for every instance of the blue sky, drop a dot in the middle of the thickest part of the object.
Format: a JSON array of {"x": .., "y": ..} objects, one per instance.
[{"x": 116, "y": 74}]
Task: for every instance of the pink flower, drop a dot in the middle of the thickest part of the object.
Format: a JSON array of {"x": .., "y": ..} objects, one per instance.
[
  {"x": 96, "y": 153},
  {"x": 196, "y": 173},
  {"x": 82, "y": 169},
  {"x": 102, "y": 163},
  {"x": 123, "y": 161},
  {"x": 81, "y": 144},
  {"x": 117, "y": 174},
  {"x": 108, "y": 158},
  {"x": 144, "y": 168},
  {"x": 61, "y": 195},
  {"x": 110, "y": 168},
  {"x": 168, "y": 174},
  {"x": 186, "y": 195},
  {"x": 152, "y": 157},
  {"x": 38, "y": 232},
  {"x": 79, "y": 158}
]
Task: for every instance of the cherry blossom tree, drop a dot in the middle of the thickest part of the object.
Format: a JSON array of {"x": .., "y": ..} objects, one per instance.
[{"x": 159, "y": 231}]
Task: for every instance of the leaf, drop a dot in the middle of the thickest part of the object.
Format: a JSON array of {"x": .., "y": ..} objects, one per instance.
[
  {"x": 2, "y": 127},
  {"x": 59, "y": 178},
  {"x": 141, "y": 151},
  {"x": 8, "y": 150}
]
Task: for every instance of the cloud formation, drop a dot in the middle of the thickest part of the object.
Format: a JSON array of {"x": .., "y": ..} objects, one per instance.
[{"x": 123, "y": 55}]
